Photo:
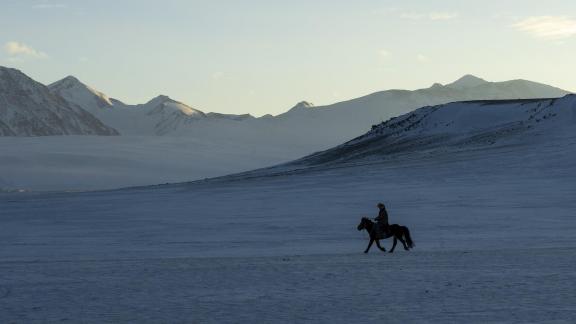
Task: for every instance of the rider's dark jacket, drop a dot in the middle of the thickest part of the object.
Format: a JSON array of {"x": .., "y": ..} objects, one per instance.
[{"x": 382, "y": 217}]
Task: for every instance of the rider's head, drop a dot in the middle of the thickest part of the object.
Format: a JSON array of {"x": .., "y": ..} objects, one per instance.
[{"x": 380, "y": 205}]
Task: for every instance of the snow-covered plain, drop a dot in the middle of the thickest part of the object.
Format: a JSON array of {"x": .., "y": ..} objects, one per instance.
[{"x": 493, "y": 224}]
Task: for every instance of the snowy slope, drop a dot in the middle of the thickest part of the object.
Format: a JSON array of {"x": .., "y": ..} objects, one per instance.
[
  {"x": 28, "y": 108},
  {"x": 459, "y": 125},
  {"x": 493, "y": 224}
]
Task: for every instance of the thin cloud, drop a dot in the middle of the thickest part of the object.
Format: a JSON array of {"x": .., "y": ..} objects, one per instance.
[
  {"x": 383, "y": 53},
  {"x": 435, "y": 16},
  {"x": 21, "y": 50},
  {"x": 218, "y": 75},
  {"x": 547, "y": 27},
  {"x": 422, "y": 58},
  {"x": 443, "y": 15}
]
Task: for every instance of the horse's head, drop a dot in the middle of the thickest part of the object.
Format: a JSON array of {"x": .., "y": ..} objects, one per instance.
[{"x": 363, "y": 223}]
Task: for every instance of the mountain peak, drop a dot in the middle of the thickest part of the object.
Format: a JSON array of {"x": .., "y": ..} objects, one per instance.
[
  {"x": 67, "y": 83},
  {"x": 303, "y": 105},
  {"x": 159, "y": 99},
  {"x": 32, "y": 109},
  {"x": 11, "y": 73},
  {"x": 71, "y": 78},
  {"x": 5, "y": 69},
  {"x": 76, "y": 91},
  {"x": 165, "y": 104},
  {"x": 467, "y": 81},
  {"x": 12, "y": 78}
]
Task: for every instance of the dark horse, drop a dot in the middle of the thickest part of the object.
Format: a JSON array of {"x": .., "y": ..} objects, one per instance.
[{"x": 398, "y": 232}]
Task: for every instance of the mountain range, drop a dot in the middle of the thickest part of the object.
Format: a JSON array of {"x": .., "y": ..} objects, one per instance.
[
  {"x": 319, "y": 126},
  {"x": 164, "y": 140},
  {"x": 475, "y": 129},
  {"x": 159, "y": 116}
]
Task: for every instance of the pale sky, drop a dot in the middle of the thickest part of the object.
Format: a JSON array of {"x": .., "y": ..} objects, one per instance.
[{"x": 265, "y": 56}]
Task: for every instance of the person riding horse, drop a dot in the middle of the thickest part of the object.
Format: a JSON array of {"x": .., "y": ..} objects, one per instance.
[
  {"x": 381, "y": 230},
  {"x": 382, "y": 227}
]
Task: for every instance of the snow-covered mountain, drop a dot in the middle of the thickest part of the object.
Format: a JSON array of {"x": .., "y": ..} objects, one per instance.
[
  {"x": 333, "y": 124},
  {"x": 466, "y": 82},
  {"x": 159, "y": 116},
  {"x": 75, "y": 91},
  {"x": 28, "y": 108},
  {"x": 458, "y": 125},
  {"x": 301, "y": 106},
  {"x": 319, "y": 127}
]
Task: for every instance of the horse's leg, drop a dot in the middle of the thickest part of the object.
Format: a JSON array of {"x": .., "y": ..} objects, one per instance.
[
  {"x": 369, "y": 245},
  {"x": 394, "y": 245},
  {"x": 380, "y": 246},
  {"x": 403, "y": 243}
]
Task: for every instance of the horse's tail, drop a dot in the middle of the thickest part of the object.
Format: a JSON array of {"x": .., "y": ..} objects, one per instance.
[{"x": 408, "y": 238}]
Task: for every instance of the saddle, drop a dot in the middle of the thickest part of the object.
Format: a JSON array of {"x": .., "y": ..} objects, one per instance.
[{"x": 381, "y": 231}]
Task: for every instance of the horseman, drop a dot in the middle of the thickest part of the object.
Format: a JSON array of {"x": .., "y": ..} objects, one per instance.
[
  {"x": 382, "y": 227},
  {"x": 382, "y": 230}
]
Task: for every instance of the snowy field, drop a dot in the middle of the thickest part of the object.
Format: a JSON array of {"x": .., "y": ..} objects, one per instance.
[
  {"x": 504, "y": 286},
  {"x": 494, "y": 228}
]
